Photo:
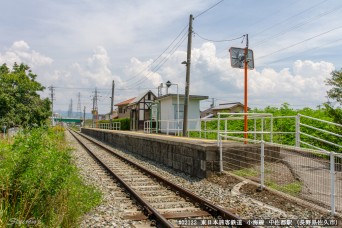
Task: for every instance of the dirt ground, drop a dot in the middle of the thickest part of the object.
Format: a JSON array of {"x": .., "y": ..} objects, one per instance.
[{"x": 265, "y": 196}]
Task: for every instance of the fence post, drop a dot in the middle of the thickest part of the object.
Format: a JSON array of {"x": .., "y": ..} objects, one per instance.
[
  {"x": 262, "y": 128},
  {"x": 332, "y": 183},
  {"x": 200, "y": 127},
  {"x": 298, "y": 130},
  {"x": 221, "y": 160},
  {"x": 262, "y": 165},
  {"x": 255, "y": 128},
  {"x": 205, "y": 129},
  {"x": 167, "y": 127},
  {"x": 271, "y": 126},
  {"x": 225, "y": 126},
  {"x": 218, "y": 128}
]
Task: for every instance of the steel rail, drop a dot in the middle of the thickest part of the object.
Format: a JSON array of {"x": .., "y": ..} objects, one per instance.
[
  {"x": 148, "y": 209},
  {"x": 201, "y": 202}
]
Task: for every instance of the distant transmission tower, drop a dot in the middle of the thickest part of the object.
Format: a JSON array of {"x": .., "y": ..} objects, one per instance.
[
  {"x": 70, "y": 109},
  {"x": 52, "y": 89},
  {"x": 79, "y": 111},
  {"x": 95, "y": 109}
]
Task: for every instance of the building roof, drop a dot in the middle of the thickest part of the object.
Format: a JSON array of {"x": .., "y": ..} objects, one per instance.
[
  {"x": 227, "y": 106},
  {"x": 141, "y": 96},
  {"x": 192, "y": 97},
  {"x": 126, "y": 102}
]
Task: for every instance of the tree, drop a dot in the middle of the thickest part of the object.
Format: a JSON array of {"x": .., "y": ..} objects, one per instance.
[
  {"x": 19, "y": 101},
  {"x": 335, "y": 93}
]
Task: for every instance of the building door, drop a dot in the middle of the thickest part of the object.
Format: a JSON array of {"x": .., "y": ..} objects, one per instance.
[{"x": 133, "y": 119}]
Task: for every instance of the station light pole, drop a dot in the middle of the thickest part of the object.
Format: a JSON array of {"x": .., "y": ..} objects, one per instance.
[{"x": 168, "y": 84}]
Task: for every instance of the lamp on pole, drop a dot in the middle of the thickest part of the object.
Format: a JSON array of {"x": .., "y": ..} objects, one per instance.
[{"x": 168, "y": 84}]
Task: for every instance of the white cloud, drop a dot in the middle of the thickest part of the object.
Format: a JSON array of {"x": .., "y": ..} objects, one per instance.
[
  {"x": 21, "y": 52},
  {"x": 96, "y": 71},
  {"x": 138, "y": 73},
  {"x": 301, "y": 84}
]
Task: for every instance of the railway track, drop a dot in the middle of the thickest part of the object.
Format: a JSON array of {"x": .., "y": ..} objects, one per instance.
[{"x": 162, "y": 202}]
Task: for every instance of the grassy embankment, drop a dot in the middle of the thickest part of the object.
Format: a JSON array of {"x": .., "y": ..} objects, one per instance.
[{"x": 39, "y": 184}]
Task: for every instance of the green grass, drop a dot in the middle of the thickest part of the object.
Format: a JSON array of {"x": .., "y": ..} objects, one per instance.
[
  {"x": 293, "y": 188},
  {"x": 39, "y": 182},
  {"x": 247, "y": 172}
]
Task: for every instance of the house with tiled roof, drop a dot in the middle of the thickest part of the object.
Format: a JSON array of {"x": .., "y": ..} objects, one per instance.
[
  {"x": 140, "y": 110},
  {"x": 123, "y": 109},
  {"x": 235, "y": 107}
]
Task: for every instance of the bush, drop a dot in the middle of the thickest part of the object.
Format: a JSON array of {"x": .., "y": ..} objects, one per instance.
[
  {"x": 125, "y": 123},
  {"x": 39, "y": 183}
]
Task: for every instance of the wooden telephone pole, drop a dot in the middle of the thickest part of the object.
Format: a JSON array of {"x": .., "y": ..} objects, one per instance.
[
  {"x": 111, "y": 106},
  {"x": 187, "y": 80}
]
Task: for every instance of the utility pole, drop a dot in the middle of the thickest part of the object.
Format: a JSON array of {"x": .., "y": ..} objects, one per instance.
[
  {"x": 79, "y": 111},
  {"x": 246, "y": 94},
  {"x": 83, "y": 116},
  {"x": 187, "y": 80},
  {"x": 93, "y": 112},
  {"x": 70, "y": 109},
  {"x": 212, "y": 103},
  {"x": 95, "y": 109},
  {"x": 111, "y": 106},
  {"x": 52, "y": 89}
]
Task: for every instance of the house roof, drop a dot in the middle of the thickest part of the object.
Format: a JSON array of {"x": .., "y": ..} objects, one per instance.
[
  {"x": 141, "y": 96},
  {"x": 227, "y": 106},
  {"x": 126, "y": 102},
  {"x": 192, "y": 97}
]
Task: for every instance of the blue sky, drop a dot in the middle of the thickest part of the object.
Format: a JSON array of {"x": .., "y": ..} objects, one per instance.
[{"x": 77, "y": 45}]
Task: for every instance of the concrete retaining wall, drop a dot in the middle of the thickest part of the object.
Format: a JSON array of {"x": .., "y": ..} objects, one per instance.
[
  {"x": 196, "y": 157},
  {"x": 239, "y": 156},
  {"x": 193, "y": 157}
]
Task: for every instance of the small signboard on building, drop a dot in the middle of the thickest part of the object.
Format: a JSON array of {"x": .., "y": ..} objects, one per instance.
[{"x": 154, "y": 112}]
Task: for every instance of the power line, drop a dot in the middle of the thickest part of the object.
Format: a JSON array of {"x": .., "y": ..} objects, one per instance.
[
  {"x": 228, "y": 40},
  {"x": 276, "y": 24},
  {"x": 298, "y": 25},
  {"x": 208, "y": 9},
  {"x": 303, "y": 41},
  {"x": 308, "y": 50},
  {"x": 88, "y": 88},
  {"x": 158, "y": 56},
  {"x": 160, "y": 64},
  {"x": 290, "y": 17}
]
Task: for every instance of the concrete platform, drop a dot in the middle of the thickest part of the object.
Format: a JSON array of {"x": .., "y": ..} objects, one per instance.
[{"x": 196, "y": 157}]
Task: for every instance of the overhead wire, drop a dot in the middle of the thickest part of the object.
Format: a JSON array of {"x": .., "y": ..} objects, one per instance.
[
  {"x": 208, "y": 9},
  {"x": 226, "y": 40},
  {"x": 290, "y": 17},
  {"x": 156, "y": 59},
  {"x": 165, "y": 59},
  {"x": 303, "y": 41},
  {"x": 161, "y": 63},
  {"x": 296, "y": 26},
  {"x": 308, "y": 50}
]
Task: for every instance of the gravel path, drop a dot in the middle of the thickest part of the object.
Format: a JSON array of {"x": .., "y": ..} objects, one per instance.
[{"x": 219, "y": 189}]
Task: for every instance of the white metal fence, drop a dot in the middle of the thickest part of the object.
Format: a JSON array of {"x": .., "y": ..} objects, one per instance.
[
  {"x": 274, "y": 155},
  {"x": 309, "y": 174},
  {"x": 299, "y": 130},
  {"x": 171, "y": 127},
  {"x": 113, "y": 126}
]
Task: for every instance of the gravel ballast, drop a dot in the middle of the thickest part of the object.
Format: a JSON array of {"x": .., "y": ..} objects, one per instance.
[{"x": 240, "y": 198}]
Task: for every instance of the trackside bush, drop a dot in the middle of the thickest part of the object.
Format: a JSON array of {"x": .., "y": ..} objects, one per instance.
[
  {"x": 125, "y": 123},
  {"x": 39, "y": 184}
]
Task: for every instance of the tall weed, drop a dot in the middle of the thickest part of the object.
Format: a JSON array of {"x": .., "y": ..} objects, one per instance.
[{"x": 39, "y": 184}]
